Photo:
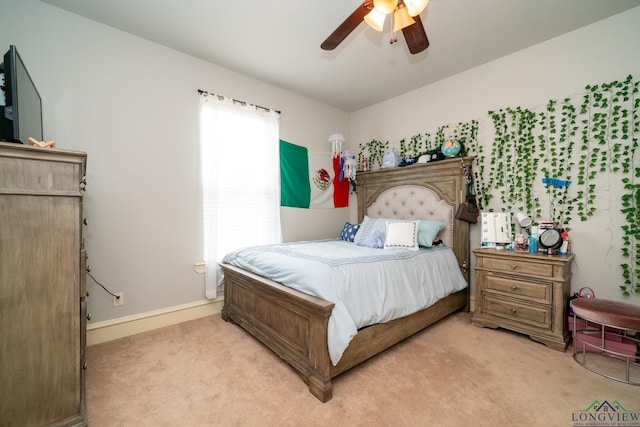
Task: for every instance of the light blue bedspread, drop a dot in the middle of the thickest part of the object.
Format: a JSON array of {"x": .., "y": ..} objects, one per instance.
[{"x": 366, "y": 285}]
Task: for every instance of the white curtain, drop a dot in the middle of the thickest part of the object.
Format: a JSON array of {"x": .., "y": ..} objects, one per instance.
[{"x": 240, "y": 180}]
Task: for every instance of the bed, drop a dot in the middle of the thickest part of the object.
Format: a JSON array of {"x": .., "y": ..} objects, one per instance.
[{"x": 294, "y": 324}]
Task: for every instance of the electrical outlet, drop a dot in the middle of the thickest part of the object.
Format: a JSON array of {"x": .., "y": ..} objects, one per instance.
[
  {"x": 118, "y": 301},
  {"x": 199, "y": 267}
]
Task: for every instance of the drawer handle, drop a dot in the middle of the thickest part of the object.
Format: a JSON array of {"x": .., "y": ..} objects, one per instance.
[
  {"x": 514, "y": 288},
  {"x": 514, "y": 311},
  {"x": 514, "y": 266}
]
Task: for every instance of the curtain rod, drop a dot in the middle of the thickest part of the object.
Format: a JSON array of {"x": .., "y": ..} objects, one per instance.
[{"x": 204, "y": 92}]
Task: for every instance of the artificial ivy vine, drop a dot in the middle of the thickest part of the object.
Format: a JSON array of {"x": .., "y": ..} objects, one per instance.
[
  {"x": 372, "y": 153},
  {"x": 556, "y": 141},
  {"x": 605, "y": 129},
  {"x": 568, "y": 144},
  {"x": 513, "y": 163},
  {"x": 621, "y": 103}
]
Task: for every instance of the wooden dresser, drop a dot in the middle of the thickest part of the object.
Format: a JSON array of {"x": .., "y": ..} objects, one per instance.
[
  {"x": 42, "y": 287},
  {"x": 523, "y": 292}
]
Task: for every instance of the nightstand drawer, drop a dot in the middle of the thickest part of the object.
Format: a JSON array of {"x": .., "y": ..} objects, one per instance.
[
  {"x": 513, "y": 266},
  {"x": 532, "y": 291},
  {"x": 530, "y": 314}
]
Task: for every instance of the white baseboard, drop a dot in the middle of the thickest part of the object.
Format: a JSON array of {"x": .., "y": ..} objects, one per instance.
[{"x": 121, "y": 327}]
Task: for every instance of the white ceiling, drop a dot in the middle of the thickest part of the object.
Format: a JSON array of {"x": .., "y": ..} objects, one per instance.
[{"x": 278, "y": 41}]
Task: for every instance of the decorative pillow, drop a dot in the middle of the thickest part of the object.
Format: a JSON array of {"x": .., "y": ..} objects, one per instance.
[
  {"x": 402, "y": 235},
  {"x": 368, "y": 225},
  {"x": 375, "y": 240},
  {"x": 349, "y": 231},
  {"x": 428, "y": 230}
]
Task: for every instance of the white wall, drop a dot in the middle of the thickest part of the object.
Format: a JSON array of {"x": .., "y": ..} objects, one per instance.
[
  {"x": 603, "y": 52},
  {"x": 132, "y": 105}
]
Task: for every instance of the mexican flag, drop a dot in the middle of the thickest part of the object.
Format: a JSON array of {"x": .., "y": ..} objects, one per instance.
[{"x": 310, "y": 179}]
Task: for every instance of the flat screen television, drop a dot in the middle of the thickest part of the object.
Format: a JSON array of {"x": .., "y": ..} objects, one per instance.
[{"x": 21, "y": 109}]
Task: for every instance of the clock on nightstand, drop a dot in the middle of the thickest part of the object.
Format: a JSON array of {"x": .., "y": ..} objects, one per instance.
[{"x": 523, "y": 292}]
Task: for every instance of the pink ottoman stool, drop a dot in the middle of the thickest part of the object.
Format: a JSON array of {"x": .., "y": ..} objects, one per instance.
[{"x": 596, "y": 337}]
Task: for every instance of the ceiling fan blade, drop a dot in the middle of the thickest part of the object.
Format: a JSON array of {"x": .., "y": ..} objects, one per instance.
[
  {"x": 415, "y": 36},
  {"x": 347, "y": 26}
]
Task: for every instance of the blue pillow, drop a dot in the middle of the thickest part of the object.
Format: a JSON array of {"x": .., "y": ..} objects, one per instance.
[
  {"x": 375, "y": 240},
  {"x": 428, "y": 230},
  {"x": 369, "y": 225},
  {"x": 349, "y": 231}
]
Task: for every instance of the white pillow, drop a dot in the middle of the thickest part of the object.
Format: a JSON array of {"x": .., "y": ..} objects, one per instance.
[{"x": 402, "y": 235}]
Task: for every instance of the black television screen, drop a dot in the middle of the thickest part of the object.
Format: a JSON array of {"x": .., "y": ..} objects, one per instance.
[{"x": 21, "y": 111}]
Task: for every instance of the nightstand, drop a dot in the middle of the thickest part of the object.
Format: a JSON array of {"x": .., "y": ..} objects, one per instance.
[{"x": 523, "y": 292}]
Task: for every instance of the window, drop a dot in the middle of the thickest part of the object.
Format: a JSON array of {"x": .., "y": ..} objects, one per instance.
[{"x": 240, "y": 180}]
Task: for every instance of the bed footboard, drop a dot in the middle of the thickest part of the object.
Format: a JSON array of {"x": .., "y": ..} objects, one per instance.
[{"x": 292, "y": 324}]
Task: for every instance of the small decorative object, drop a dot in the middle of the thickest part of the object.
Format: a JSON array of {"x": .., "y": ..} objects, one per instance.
[
  {"x": 496, "y": 229},
  {"x": 520, "y": 243},
  {"x": 584, "y": 292},
  {"x": 437, "y": 156},
  {"x": 348, "y": 165},
  {"x": 336, "y": 141},
  {"x": 451, "y": 148},
  {"x": 555, "y": 182},
  {"x": 407, "y": 162},
  {"x": 566, "y": 244},
  {"x": 42, "y": 144},
  {"x": 551, "y": 240},
  {"x": 468, "y": 210},
  {"x": 390, "y": 159},
  {"x": 545, "y": 225},
  {"x": 523, "y": 219}
]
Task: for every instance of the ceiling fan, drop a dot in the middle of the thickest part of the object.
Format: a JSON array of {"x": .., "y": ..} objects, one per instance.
[{"x": 406, "y": 17}]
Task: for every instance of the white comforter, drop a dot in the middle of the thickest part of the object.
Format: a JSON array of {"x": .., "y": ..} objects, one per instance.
[{"x": 366, "y": 285}]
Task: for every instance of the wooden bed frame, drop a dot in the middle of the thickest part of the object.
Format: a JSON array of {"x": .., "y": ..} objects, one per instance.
[{"x": 294, "y": 325}]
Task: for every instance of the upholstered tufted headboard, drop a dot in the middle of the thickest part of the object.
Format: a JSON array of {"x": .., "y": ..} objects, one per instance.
[
  {"x": 422, "y": 191},
  {"x": 414, "y": 202}
]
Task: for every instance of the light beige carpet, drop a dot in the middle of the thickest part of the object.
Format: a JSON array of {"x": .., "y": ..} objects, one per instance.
[{"x": 210, "y": 373}]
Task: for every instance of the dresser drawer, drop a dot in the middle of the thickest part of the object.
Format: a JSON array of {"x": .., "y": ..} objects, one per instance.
[
  {"x": 515, "y": 266},
  {"x": 39, "y": 176},
  {"x": 532, "y": 291},
  {"x": 538, "y": 316}
]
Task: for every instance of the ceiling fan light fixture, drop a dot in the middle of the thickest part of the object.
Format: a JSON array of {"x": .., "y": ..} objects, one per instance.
[
  {"x": 385, "y": 7},
  {"x": 375, "y": 19},
  {"x": 401, "y": 19},
  {"x": 415, "y": 7}
]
